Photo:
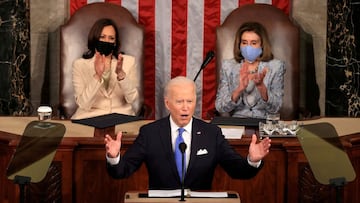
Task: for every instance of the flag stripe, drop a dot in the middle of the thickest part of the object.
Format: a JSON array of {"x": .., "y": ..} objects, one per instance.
[
  {"x": 283, "y": 5},
  {"x": 226, "y": 8},
  {"x": 178, "y": 34},
  {"x": 263, "y": 1},
  {"x": 162, "y": 53},
  {"x": 195, "y": 51},
  {"x": 178, "y": 38},
  {"x": 245, "y": 2},
  {"x": 76, "y": 4},
  {"x": 94, "y": 1},
  {"x": 117, "y": 2},
  {"x": 212, "y": 16},
  {"x": 146, "y": 17},
  {"x": 132, "y": 6}
]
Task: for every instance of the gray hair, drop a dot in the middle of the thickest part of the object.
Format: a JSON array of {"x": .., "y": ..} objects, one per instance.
[{"x": 179, "y": 80}]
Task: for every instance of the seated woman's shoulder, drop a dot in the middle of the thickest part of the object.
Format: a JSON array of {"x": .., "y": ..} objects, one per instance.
[
  {"x": 231, "y": 61},
  {"x": 81, "y": 61},
  {"x": 276, "y": 64},
  {"x": 129, "y": 57},
  {"x": 276, "y": 61}
]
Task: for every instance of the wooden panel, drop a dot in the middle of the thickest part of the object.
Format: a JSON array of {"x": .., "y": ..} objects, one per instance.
[
  {"x": 79, "y": 170},
  {"x": 8, "y": 190},
  {"x": 267, "y": 186},
  {"x": 93, "y": 184},
  {"x": 352, "y": 193}
]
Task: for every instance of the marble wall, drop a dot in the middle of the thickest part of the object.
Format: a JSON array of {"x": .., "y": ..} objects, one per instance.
[
  {"x": 15, "y": 58},
  {"x": 343, "y": 58}
]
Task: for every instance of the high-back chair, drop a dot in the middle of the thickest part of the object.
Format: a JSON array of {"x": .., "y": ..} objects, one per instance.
[
  {"x": 284, "y": 38},
  {"x": 73, "y": 43}
]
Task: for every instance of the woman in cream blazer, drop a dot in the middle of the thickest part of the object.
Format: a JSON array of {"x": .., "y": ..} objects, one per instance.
[{"x": 104, "y": 81}]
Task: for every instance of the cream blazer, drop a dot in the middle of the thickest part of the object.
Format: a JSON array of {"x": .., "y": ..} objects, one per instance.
[{"x": 92, "y": 97}]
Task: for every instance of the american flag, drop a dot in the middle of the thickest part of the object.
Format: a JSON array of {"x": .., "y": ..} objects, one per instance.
[{"x": 178, "y": 34}]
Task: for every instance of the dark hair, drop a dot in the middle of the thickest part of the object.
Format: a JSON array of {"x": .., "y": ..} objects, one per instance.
[
  {"x": 94, "y": 36},
  {"x": 259, "y": 30}
]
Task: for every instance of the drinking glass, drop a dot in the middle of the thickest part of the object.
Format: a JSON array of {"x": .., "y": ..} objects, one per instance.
[
  {"x": 273, "y": 118},
  {"x": 44, "y": 113}
]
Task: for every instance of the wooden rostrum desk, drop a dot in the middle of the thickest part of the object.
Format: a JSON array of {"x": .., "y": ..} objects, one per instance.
[
  {"x": 78, "y": 172},
  {"x": 142, "y": 197}
]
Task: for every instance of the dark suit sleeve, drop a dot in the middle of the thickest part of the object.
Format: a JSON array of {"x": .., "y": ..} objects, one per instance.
[
  {"x": 131, "y": 160},
  {"x": 232, "y": 162}
]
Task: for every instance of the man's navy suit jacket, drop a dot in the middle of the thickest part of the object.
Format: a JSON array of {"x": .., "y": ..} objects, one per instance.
[{"x": 153, "y": 146}]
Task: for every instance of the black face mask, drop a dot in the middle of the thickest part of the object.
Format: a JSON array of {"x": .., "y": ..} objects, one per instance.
[{"x": 105, "y": 48}]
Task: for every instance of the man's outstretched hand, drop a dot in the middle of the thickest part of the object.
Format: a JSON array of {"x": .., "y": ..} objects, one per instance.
[
  {"x": 113, "y": 146},
  {"x": 258, "y": 150}
]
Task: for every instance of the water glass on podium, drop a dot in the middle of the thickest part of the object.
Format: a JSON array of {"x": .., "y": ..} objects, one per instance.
[{"x": 273, "y": 118}]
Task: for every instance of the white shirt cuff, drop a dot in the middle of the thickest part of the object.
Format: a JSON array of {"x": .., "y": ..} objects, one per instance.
[
  {"x": 113, "y": 161},
  {"x": 253, "y": 164}
]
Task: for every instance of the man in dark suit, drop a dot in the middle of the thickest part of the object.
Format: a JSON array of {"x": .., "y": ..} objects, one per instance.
[{"x": 206, "y": 146}]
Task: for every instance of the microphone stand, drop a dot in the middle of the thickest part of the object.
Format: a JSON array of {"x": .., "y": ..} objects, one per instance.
[
  {"x": 182, "y": 197},
  {"x": 209, "y": 56},
  {"x": 22, "y": 181},
  {"x": 197, "y": 74},
  {"x": 182, "y": 147}
]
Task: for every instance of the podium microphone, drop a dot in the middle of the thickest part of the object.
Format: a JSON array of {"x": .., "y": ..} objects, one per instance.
[
  {"x": 182, "y": 147},
  {"x": 209, "y": 56}
]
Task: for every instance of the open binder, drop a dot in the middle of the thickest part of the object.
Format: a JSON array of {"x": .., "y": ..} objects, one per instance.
[
  {"x": 107, "y": 120},
  {"x": 105, "y": 124},
  {"x": 235, "y": 121}
]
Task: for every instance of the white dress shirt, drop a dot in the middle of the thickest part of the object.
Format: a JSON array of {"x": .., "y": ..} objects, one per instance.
[{"x": 186, "y": 136}]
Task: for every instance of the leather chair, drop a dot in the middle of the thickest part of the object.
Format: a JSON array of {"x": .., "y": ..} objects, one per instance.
[
  {"x": 284, "y": 38},
  {"x": 73, "y": 43}
]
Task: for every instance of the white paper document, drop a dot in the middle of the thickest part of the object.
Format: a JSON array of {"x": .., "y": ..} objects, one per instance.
[
  {"x": 208, "y": 194},
  {"x": 166, "y": 193},
  {"x": 187, "y": 193},
  {"x": 232, "y": 132}
]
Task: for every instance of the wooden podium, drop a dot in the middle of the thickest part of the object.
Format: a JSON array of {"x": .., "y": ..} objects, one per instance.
[{"x": 141, "y": 197}]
